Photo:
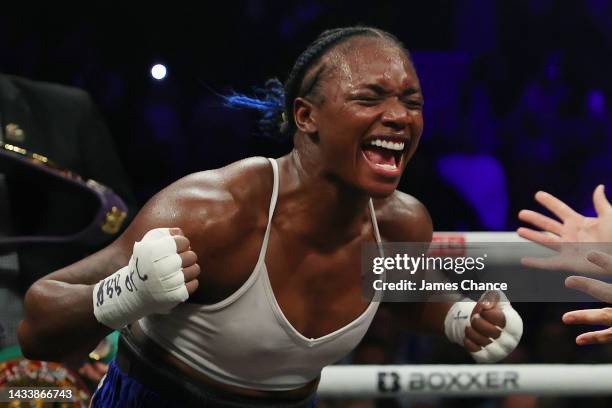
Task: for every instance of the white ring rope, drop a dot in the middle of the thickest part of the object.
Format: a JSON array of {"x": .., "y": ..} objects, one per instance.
[
  {"x": 480, "y": 237},
  {"x": 502, "y": 248},
  {"x": 465, "y": 380}
]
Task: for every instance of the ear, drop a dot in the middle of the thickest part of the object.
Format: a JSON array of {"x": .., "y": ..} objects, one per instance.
[{"x": 305, "y": 118}]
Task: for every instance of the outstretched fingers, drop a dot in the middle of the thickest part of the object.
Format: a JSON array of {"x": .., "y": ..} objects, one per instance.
[
  {"x": 601, "y": 259},
  {"x": 593, "y": 287},
  {"x": 556, "y": 206},
  {"x": 595, "y": 337},
  {"x": 589, "y": 316},
  {"x": 546, "y": 239},
  {"x": 541, "y": 221},
  {"x": 601, "y": 203}
]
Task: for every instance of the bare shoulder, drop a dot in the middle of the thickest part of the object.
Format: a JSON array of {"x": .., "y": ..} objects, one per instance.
[
  {"x": 215, "y": 209},
  {"x": 211, "y": 207},
  {"x": 402, "y": 218}
]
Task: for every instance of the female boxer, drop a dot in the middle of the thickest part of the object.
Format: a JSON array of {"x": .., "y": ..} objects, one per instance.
[{"x": 236, "y": 286}]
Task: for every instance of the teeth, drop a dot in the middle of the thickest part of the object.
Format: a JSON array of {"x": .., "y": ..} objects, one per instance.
[
  {"x": 387, "y": 166},
  {"x": 387, "y": 145}
]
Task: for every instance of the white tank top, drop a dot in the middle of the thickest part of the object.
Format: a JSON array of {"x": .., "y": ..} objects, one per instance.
[{"x": 246, "y": 341}]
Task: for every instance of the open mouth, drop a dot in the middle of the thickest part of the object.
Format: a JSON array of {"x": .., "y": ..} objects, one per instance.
[{"x": 384, "y": 155}]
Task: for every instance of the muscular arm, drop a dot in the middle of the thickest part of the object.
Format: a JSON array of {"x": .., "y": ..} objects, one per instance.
[
  {"x": 216, "y": 210},
  {"x": 59, "y": 323},
  {"x": 482, "y": 336},
  {"x": 405, "y": 219}
]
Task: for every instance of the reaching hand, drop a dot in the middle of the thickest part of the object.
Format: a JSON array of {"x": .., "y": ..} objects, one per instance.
[
  {"x": 599, "y": 290},
  {"x": 569, "y": 236},
  {"x": 573, "y": 227}
]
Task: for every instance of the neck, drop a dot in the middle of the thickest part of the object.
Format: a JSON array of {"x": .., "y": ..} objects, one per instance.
[{"x": 319, "y": 206}]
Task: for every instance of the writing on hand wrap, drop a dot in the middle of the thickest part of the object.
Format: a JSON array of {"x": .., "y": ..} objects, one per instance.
[{"x": 112, "y": 283}]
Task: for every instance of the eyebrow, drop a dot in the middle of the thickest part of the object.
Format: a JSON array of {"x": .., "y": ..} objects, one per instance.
[{"x": 381, "y": 90}]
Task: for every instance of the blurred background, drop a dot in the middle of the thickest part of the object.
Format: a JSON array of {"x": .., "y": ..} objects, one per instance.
[
  {"x": 518, "y": 98},
  {"x": 517, "y": 92}
]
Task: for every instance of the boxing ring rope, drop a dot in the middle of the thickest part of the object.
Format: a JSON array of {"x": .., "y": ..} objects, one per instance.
[
  {"x": 465, "y": 380},
  {"x": 471, "y": 243},
  {"x": 478, "y": 237},
  {"x": 371, "y": 381}
]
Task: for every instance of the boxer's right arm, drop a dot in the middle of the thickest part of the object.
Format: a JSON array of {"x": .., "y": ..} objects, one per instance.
[
  {"x": 222, "y": 213},
  {"x": 59, "y": 321}
]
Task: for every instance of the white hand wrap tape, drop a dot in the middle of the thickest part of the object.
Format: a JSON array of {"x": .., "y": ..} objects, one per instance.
[
  {"x": 152, "y": 282},
  {"x": 456, "y": 322}
]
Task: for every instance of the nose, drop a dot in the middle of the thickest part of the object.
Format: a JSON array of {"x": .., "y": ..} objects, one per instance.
[{"x": 396, "y": 115}]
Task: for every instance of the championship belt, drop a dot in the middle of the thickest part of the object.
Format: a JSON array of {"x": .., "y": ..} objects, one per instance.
[
  {"x": 105, "y": 210},
  {"x": 21, "y": 373},
  {"x": 17, "y": 372}
]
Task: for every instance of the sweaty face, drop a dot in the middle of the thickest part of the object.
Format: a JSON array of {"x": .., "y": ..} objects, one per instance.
[{"x": 370, "y": 120}]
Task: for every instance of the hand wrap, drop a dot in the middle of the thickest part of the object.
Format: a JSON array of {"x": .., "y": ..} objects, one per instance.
[
  {"x": 152, "y": 282},
  {"x": 458, "y": 318}
]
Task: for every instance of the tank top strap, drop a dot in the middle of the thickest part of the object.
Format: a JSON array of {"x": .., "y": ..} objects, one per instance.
[
  {"x": 374, "y": 222},
  {"x": 275, "y": 186}
]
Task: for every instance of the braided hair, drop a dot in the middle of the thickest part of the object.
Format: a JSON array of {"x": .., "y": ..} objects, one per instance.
[{"x": 275, "y": 101}]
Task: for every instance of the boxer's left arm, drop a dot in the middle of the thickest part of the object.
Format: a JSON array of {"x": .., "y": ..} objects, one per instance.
[
  {"x": 403, "y": 218},
  {"x": 489, "y": 329}
]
